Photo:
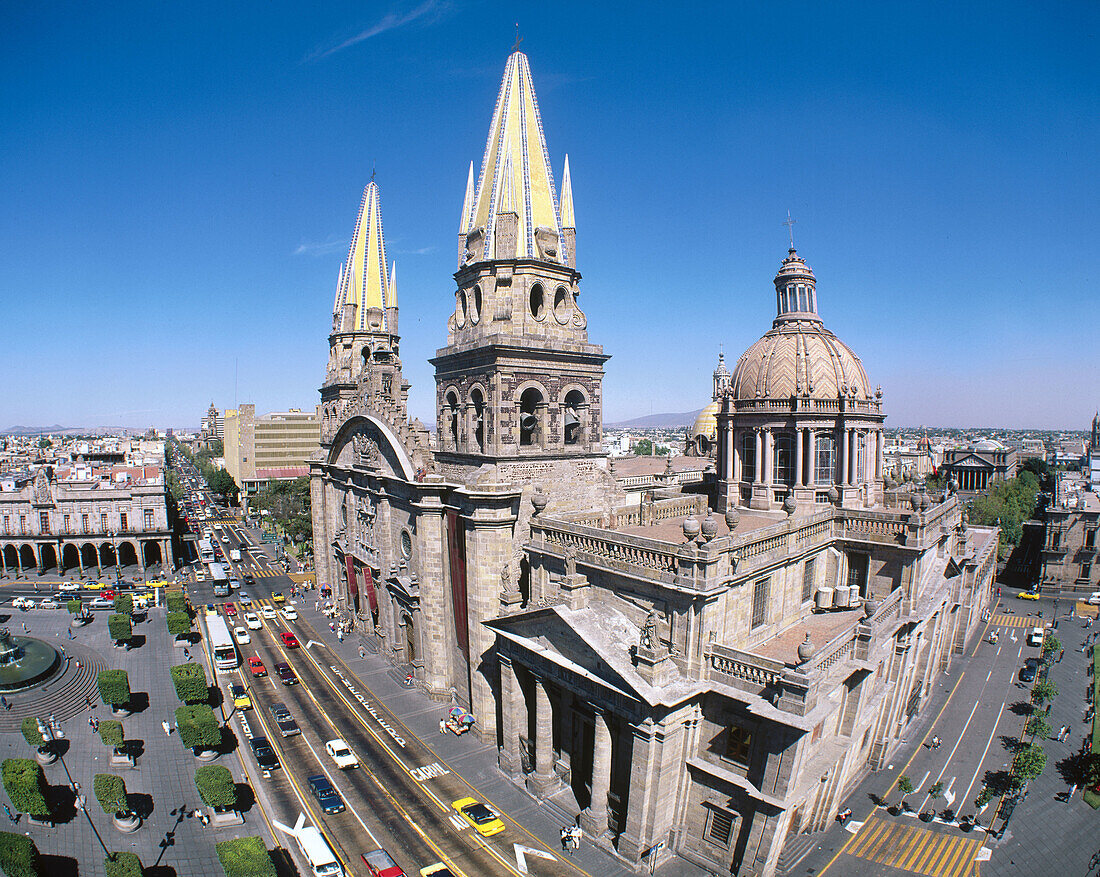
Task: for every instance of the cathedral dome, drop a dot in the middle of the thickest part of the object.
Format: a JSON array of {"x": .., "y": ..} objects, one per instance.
[
  {"x": 706, "y": 424},
  {"x": 798, "y": 356}
]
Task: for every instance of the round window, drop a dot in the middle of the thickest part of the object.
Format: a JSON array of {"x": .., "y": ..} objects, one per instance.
[
  {"x": 406, "y": 544},
  {"x": 561, "y": 305},
  {"x": 537, "y": 302}
]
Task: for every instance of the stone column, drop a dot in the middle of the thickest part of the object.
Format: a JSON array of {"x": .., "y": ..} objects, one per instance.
[
  {"x": 541, "y": 781},
  {"x": 812, "y": 454},
  {"x": 431, "y": 540},
  {"x": 734, "y": 456},
  {"x": 759, "y": 461},
  {"x": 842, "y": 446},
  {"x": 799, "y": 436},
  {"x": 80, "y": 561},
  {"x": 513, "y": 718},
  {"x": 594, "y": 818},
  {"x": 769, "y": 450},
  {"x": 878, "y": 455}
]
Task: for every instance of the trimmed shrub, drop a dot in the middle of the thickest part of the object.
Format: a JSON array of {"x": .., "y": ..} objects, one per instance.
[
  {"x": 124, "y": 604},
  {"x": 114, "y": 687},
  {"x": 177, "y": 602},
  {"x": 120, "y": 627},
  {"x": 75, "y": 607},
  {"x": 215, "y": 785},
  {"x": 245, "y": 857},
  {"x": 31, "y": 733},
  {"x": 179, "y": 623},
  {"x": 111, "y": 733},
  {"x": 25, "y": 784},
  {"x": 190, "y": 682},
  {"x": 18, "y": 855},
  {"x": 198, "y": 727},
  {"x": 110, "y": 791},
  {"x": 123, "y": 865}
]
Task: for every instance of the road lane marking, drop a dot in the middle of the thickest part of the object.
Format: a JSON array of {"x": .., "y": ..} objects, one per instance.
[{"x": 985, "y": 752}]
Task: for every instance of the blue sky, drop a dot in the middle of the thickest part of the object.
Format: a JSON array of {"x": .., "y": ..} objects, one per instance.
[{"x": 180, "y": 182}]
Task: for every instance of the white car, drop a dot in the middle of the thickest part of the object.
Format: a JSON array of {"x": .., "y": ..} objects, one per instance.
[
  {"x": 252, "y": 620},
  {"x": 22, "y": 603},
  {"x": 268, "y": 613},
  {"x": 241, "y": 636},
  {"x": 290, "y": 613},
  {"x": 341, "y": 753},
  {"x": 1094, "y": 598},
  {"x": 68, "y": 587},
  {"x": 49, "y": 603}
]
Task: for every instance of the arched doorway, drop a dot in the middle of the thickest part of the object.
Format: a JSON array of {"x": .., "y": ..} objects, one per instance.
[
  {"x": 89, "y": 555},
  {"x": 107, "y": 555},
  {"x": 27, "y": 558},
  {"x": 127, "y": 554},
  {"x": 11, "y": 557},
  {"x": 70, "y": 557},
  {"x": 151, "y": 552},
  {"x": 49, "y": 556},
  {"x": 410, "y": 640}
]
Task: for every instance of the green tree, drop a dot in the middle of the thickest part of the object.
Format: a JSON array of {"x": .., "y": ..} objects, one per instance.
[
  {"x": 190, "y": 683},
  {"x": 222, "y": 483},
  {"x": 216, "y": 787},
  {"x": 1029, "y": 763},
  {"x": 643, "y": 448},
  {"x": 114, "y": 687},
  {"x": 18, "y": 855},
  {"x": 217, "y": 447},
  {"x": 25, "y": 784},
  {"x": 1043, "y": 691},
  {"x": 905, "y": 786},
  {"x": 76, "y": 608},
  {"x": 124, "y": 604},
  {"x": 288, "y": 505},
  {"x": 179, "y": 623},
  {"x": 123, "y": 865},
  {"x": 120, "y": 627},
  {"x": 1050, "y": 646},
  {"x": 45, "y": 443},
  {"x": 110, "y": 791},
  {"x": 1011, "y": 502},
  {"x": 935, "y": 792},
  {"x": 198, "y": 727},
  {"x": 1037, "y": 726},
  {"x": 245, "y": 857},
  {"x": 110, "y": 732}
]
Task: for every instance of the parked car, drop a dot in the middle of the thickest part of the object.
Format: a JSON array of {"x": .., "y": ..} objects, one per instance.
[
  {"x": 265, "y": 754},
  {"x": 381, "y": 864},
  {"x": 484, "y": 819},
  {"x": 285, "y": 673},
  {"x": 70, "y": 587},
  {"x": 241, "y": 636},
  {"x": 284, "y": 720},
  {"x": 341, "y": 753},
  {"x": 252, "y": 620},
  {"x": 211, "y": 609},
  {"x": 325, "y": 793},
  {"x": 257, "y": 667},
  {"x": 1094, "y": 598},
  {"x": 100, "y": 603}
]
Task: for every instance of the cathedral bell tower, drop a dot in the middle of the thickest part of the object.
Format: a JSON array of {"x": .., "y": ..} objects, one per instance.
[
  {"x": 364, "y": 358},
  {"x": 518, "y": 379}
]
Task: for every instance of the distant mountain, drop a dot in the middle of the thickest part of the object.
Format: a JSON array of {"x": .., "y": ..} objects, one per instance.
[
  {"x": 657, "y": 421},
  {"x": 36, "y": 430}
]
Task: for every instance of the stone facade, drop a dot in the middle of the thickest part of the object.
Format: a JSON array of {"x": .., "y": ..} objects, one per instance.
[{"x": 683, "y": 684}]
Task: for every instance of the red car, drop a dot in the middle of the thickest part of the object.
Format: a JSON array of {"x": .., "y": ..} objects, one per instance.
[
  {"x": 257, "y": 667},
  {"x": 380, "y": 864},
  {"x": 230, "y": 609},
  {"x": 289, "y": 640},
  {"x": 107, "y": 595}
]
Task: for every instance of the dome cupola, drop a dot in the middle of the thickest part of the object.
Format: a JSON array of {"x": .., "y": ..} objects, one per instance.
[{"x": 795, "y": 291}]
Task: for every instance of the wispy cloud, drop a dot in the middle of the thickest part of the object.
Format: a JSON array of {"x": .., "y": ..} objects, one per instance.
[
  {"x": 388, "y": 22},
  {"x": 422, "y": 251},
  {"x": 321, "y": 248}
]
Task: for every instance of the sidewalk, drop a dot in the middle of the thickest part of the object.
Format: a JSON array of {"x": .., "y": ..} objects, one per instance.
[{"x": 475, "y": 761}]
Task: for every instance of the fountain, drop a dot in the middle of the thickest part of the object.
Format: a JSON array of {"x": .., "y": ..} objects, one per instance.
[{"x": 25, "y": 661}]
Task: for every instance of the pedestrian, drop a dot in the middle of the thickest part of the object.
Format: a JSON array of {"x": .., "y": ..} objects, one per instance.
[
  {"x": 71, "y": 633},
  {"x": 442, "y": 726},
  {"x": 95, "y": 725},
  {"x": 24, "y": 627},
  {"x": 167, "y": 729},
  {"x": 91, "y": 723},
  {"x": 362, "y": 652},
  {"x": 3, "y": 701},
  {"x": 1062, "y": 652},
  {"x": 187, "y": 654},
  {"x": 565, "y": 840},
  {"x": 11, "y": 816},
  {"x": 78, "y": 663},
  {"x": 575, "y": 837}
]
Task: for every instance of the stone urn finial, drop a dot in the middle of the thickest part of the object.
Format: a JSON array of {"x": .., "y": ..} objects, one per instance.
[
  {"x": 733, "y": 518},
  {"x": 691, "y": 528},
  {"x": 806, "y": 650},
  {"x": 870, "y": 607},
  {"x": 709, "y": 527},
  {"x": 789, "y": 505},
  {"x": 834, "y": 495},
  {"x": 953, "y": 484},
  {"x": 539, "y": 501}
]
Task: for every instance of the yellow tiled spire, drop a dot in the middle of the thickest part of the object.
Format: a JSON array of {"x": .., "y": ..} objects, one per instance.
[
  {"x": 364, "y": 281},
  {"x": 467, "y": 202},
  {"x": 567, "y": 219},
  {"x": 515, "y": 140}
]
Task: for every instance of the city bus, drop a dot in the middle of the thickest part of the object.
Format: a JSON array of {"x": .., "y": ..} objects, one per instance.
[
  {"x": 221, "y": 644},
  {"x": 206, "y": 551},
  {"x": 221, "y": 580}
]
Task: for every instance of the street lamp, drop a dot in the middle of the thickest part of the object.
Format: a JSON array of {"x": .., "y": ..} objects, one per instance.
[{"x": 46, "y": 729}]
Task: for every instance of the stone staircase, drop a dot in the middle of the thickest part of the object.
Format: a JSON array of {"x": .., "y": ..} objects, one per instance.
[
  {"x": 797, "y": 847},
  {"x": 64, "y": 696}
]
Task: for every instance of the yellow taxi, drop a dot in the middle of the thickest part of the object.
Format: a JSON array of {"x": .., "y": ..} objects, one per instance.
[
  {"x": 484, "y": 819},
  {"x": 241, "y": 700},
  {"x": 1028, "y": 595},
  {"x": 157, "y": 583},
  {"x": 278, "y": 597},
  {"x": 437, "y": 870},
  {"x": 91, "y": 585}
]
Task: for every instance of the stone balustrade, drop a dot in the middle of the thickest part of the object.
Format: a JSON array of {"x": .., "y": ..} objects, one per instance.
[{"x": 743, "y": 670}]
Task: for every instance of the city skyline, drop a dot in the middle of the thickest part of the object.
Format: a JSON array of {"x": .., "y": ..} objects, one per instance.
[{"x": 182, "y": 187}]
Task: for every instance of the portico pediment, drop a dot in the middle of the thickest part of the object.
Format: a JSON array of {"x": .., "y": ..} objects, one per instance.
[{"x": 972, "y": 462}]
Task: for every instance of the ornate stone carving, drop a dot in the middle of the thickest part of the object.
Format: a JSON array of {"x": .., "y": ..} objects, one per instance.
[
  {"x": 570, "y": 561},
  {"x": 42, "y": 495},
  {"x": 648, "y": 637},
  {"x": 367, "y": 452},
  {"x": 546, "y": 239}
]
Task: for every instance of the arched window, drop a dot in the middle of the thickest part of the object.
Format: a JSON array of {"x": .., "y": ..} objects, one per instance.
[
  {"x": 825, "y": 458},
  {"x": 783, "y": 462},
  {"x": 802, "y": 297},
  {"x": 537, "y": 302},
  {"x": 748, "y": 456},
  {"x": 477, "y": 413},
  {"x": 529, "y": 426},
  {"x": 571, "y": 416},
  {"x": 861, "y": 458},
  {"x": 450, "y": 419}
]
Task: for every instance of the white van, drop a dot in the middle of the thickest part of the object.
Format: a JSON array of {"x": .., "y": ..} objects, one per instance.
[
  {"x": 1035, "y": 637},
  {"x": 322, "y": 860}
]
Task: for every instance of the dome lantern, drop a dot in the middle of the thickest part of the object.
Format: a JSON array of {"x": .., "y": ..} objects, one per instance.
[{"x": 795, "y": 291}]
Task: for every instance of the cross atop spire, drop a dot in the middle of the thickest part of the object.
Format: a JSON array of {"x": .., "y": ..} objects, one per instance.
[
  {"x": 790, "y": 228},
  {"x": 519, "y": 39}
]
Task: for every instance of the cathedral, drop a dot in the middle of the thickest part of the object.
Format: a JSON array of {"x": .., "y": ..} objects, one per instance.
[{"x": 697, "y": 674}]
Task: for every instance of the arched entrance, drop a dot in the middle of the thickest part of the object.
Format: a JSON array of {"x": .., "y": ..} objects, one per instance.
[
  {"x": 11, "y": 557},
  {"x": 49, "y": 556},
  {"x": 70, "y": 557},
  {"x": 410, "y": 640},
  {"x": 106, "y": 555},
  {"x": 27, "y": 558},
  {"x": 151, "y": 552},
  {"x": 127, "y": 554},
  {"x": 89, "y": 555}
]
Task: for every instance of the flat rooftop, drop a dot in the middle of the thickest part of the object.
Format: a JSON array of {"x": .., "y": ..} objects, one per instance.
[{"x": 672, "y": 531}]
